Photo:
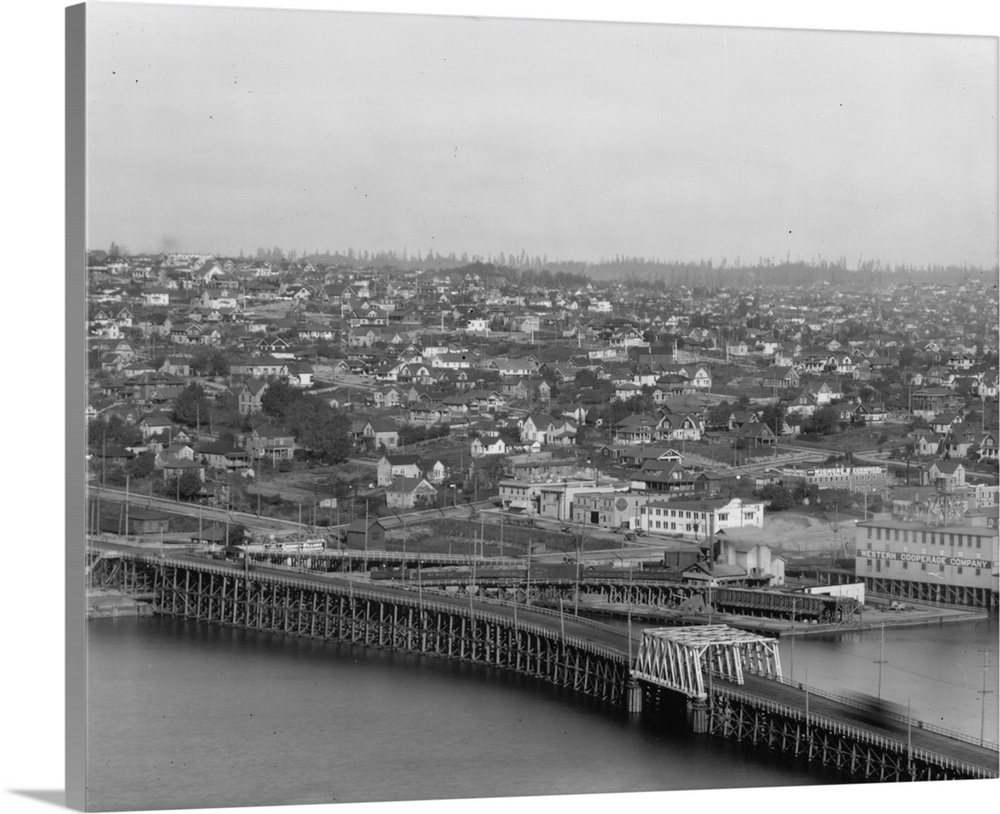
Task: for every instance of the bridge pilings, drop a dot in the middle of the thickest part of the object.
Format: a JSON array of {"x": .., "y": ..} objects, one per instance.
[
  {"x": 844, "y": 749},
  {"x": 280, "y": 604},
  {"x": 285, "y": 604}
]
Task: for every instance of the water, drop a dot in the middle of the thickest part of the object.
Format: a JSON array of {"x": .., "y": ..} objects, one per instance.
[
  {"x": 185, "y": 714},
  {"x": 936, "y": 669}
]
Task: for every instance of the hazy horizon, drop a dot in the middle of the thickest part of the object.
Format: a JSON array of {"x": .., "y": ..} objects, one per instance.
[{"x": 217, "y": 130}]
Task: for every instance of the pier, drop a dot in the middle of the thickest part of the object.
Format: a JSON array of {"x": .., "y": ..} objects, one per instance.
[{"x": 724, "y": 697}]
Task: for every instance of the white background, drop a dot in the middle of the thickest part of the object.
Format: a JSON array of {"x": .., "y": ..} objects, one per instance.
[{"x": 32, "y": 51}]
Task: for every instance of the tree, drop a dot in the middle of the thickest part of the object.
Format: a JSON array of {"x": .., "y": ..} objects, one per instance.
[
  {"x": 490, "y": 469},
  {"x": 718, "y": 415},
  {"x": 324, "y": 349},
  {"x": 772, "y": 416},
  {"x": 189, "y": 486},
  {"x": 278, "y": 399},
  {"x": 114, "y": 430},
  {"x": 142, "y": 465},
  {"x": 778, "y": 498},
  {"x": 209, "y": 361},
  {"x": 320, "y": 429},
  {"x": 192, "y": 406},
  {"x": 825, "y": 421},
  {"x": 227, "y": 410},
  {"x": 805, "y": 492},
  {"x": 237, "y": 534},
  {"x": 510, "y": 434}
]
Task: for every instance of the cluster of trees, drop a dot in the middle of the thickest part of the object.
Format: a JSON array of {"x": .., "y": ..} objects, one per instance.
[
  {"x": 825, "y": 421},
  {"x": 321, "y": 430},
  {"x": 210, "y": 361},
  {"x": 112, "y": 431},
  {"x": 192, "y": 406},
  {"x": 412, "y": 434},
  {"x": 781, "y": 498},
  {"x": 620, "y": 410}
]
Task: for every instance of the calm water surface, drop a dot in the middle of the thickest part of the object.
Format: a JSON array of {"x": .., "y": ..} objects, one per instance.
[
  {"x": 936, "y": 669},
  {"x": 185, "y": 714}
]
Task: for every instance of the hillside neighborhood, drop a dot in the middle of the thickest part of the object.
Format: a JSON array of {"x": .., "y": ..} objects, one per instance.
[{"x": 627, "y": 406}]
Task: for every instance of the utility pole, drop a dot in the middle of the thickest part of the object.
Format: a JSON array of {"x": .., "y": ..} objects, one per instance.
[
  {"x": 881, "y": 660},
  {"x": 562, "y": 621},
  {"x": 807, "y": 699},
  {"x": 983, "y": 692},
  {"x": 792, "y": 665},
  {"x": 909, "y": 738},
  {"x": 527, "y": 588}
]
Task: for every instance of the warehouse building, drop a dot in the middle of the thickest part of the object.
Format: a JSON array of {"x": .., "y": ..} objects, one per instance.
[{"x": 953, "y": 563}]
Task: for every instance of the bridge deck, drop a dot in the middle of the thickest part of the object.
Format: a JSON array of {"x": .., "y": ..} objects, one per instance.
[
  {"x": 784, "y": 694},
  {"x": 790, "y": 695}
]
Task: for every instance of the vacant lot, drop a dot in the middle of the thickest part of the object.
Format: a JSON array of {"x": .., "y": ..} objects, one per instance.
[{"x": 315, "y": 484}]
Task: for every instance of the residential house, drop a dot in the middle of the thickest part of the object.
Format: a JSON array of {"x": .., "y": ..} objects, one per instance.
[
  {"x": 381, "y": 432},
  {"x": 397, "y": 465},
  {"x": 435, "y": 471},
  {"x": 269, "y": 441},
  {"x": 300, "y": 374},
  {"x": 488, "y": 445},
  {"x": 926, "y": 442},
  {"x": 409, "y": 493},
  {"x": 249, "y": 395},
  {"x": 636, "y": 429},
  {"x": 177, "y": 366},
  {"x": 154, "y": 424},
  {"x": 945, "y": 474},
  {"x": 781, "y": 378},
  {"x": 223, "y": 455}
]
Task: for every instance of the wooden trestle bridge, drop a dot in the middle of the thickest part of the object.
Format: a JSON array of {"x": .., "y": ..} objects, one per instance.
[{"x": 732, "y": 684}]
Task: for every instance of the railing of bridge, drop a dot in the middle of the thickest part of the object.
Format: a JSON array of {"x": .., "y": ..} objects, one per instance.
[
  {"x": 861, "y": 735},
  {"x": 392, "y": 556},
  {"x": 414, "y": 602},
  {"x": 539, "y": 609},
  {"x": 853, "y": 703}
]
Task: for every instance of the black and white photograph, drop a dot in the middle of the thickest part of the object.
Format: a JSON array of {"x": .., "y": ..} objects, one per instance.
[{"x": 468, "y": 407}]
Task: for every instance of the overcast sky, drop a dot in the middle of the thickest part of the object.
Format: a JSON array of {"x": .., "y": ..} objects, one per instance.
[{"x": 219, "y": 129}]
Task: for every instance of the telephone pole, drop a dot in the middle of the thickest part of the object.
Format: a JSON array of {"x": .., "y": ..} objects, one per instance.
[
  {"x": 983, "y": 692},
  {"x": 881, "y": 660}
]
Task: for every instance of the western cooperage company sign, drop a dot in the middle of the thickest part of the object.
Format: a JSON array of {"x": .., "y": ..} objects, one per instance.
[{"x": 929, "y": 558}]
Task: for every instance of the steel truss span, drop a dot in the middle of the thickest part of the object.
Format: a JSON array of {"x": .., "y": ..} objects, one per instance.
[{"x": 679, "y": 658}]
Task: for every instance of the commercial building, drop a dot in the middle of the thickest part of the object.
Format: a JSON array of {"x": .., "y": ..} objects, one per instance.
[
  {"x": 906, "y": 559},
  {"x": 613, "y": 509},
  {"x": 547, "y": 498},
  {"x": 701, "y": 518},
  {"x": 851, "y": 478}
]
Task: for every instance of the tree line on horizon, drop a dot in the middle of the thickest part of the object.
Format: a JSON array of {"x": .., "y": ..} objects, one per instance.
[{"x": 522, "y": 268}]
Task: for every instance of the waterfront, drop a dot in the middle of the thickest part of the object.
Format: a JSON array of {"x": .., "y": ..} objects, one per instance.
[
  {"x": 936, "y": 668},
  {"x": 190, "y": 714}
]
